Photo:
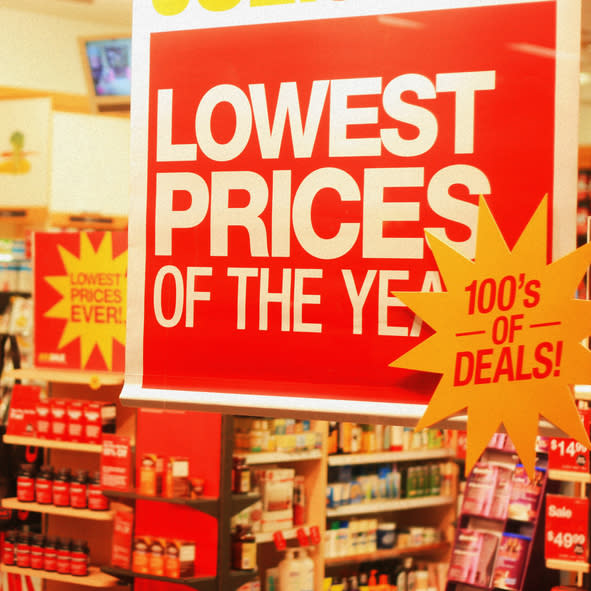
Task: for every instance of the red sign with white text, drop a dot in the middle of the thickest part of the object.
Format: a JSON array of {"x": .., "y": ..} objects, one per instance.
[
  {"x": 568, "y": 454},
  {"x": 80, "y": 300},
  {"x": 293, "y": 169},
  {"x": 567, "y": 528}
]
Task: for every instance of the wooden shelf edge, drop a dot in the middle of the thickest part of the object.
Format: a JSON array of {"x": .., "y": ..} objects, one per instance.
[
  {"x": 387, "y": 505},
  {"x": 14, "y": 503},
  {"x": 289, "y": 534},
  {"x": 51, "y": 444},
  {"x": 568, "y": 565},
  {"x": 207, "y": 505},
  {"x": 94, "y": 379},
  {"x": 95, "y": 577},
  {"x": 568, "y": 476},
  {"x": 264, "y": 457},
  {"x": 386, "y": 554},
  {"x": 201, "y": 582},
  {"x": 389, "y": 456}
]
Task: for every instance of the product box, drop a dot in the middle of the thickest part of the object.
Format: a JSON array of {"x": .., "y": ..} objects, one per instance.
[
  {"x": 276, "y": 520},
  {"x": 249, "y": 516},
  {"x": 122, "y": 538},
  {"x": 480, "y": 489},
  {"x": 510, "y": 561},
  {"x": 276, "y": 486},
  {"x": 176, "y": 478},
  {"x": 75, "y": 421},
  {"x": 179, "y": 559},
  {"x": 501, "y": 493},
  {"x": 151, "y": 475},
  {"x": 141, "y": 555},
  {"x": 473, "y": 557},
  {"x": 59, "y": 419},
  {"x": 43, "y": 419},
  {"x": 525, "y": 494},
  {"x": 22, "y": 416},
  {"x": 99, "y": 418},
  {"x": 156, "y": 555}
]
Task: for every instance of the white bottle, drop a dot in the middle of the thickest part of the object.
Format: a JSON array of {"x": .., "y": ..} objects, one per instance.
[
  {"x": 306, "y": 565},
  {"x": 289, "y": 573}
]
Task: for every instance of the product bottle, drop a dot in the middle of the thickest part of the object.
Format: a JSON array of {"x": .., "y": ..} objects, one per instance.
[
  {"x": 383, "y": 584},
  {"x": 401, "y": 575},
  {"x": 372, "y": 583},
  {"x": 289, "y": 574},
  {"x": 306, "y": 571}
]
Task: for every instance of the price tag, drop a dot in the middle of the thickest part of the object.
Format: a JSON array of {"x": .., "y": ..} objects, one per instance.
[
  {"x": 302, "y": 537},
  {"x": 279, "y": 541},
  {"x": 314, "y": 535},
  {"x": 568, "y": 454},
  {"x": 567, "y": 528}
]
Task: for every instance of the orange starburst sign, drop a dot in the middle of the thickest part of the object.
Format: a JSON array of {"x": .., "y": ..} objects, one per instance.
[{"x": 508, "y": 337}]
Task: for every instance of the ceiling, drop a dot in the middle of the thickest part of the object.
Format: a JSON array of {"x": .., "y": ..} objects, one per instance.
[{"x": 118, "y": 12}]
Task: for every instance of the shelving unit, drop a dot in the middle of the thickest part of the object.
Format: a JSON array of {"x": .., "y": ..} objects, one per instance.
[
  {"x": 15, "y": 504},
  {"x": 66, "y": 522},
  {"x": 95, "y": 577}
]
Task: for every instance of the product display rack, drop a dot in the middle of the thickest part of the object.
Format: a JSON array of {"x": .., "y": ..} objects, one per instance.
[
  {"x": 64, "y": 522},
  {"x": 312, "y": 465},
  {"x": 221, "y": 508},
  {"x": 437, "y": 511},
  {"x": 530, "y": 527}
]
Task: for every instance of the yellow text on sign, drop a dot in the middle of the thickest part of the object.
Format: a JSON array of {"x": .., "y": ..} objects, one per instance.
[{"x": 172, "y": 7}]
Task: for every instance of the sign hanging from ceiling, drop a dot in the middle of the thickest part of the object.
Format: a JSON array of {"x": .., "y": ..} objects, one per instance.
[{"x": 287, "y": 158}]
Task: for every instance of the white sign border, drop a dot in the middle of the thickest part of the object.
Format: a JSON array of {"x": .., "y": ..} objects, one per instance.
[{"x": 147, "y": 21}]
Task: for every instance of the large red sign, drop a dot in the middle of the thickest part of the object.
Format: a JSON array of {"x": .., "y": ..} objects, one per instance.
[{"x": 292, "y": 169}]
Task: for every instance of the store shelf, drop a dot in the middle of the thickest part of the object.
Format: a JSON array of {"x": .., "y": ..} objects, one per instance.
[
  {"x": 241, "y": 501},
  {"x": 386, "y": 554},
  {"x": 389, "y": 456},
  {"x": 51, "y": 444},
  {"x": 202, "y": 583},
  {"x": 14, "y": 503},
  {"x": 94, "y": 379},
  {"x": 95, "y": 577},
  {"x": 568, "y": 476},
  {"x": 288, "y": 534},
  {"x": 277, "y": 457},
  {"x": 568, "y": 565},
  {"x": 383, "y": 506},
  {"x": 209, "y": 505}
]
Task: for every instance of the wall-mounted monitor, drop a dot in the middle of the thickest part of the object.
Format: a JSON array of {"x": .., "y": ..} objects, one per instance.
[{"x": 107, "y": 66}]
